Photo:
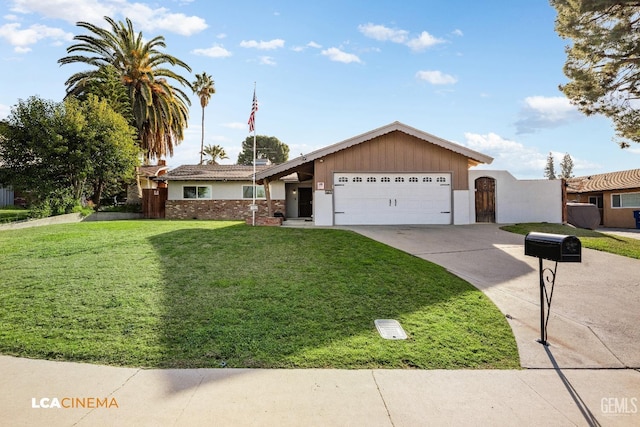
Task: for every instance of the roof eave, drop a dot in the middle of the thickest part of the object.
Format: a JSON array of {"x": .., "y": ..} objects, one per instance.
[{"x": 472, "y": 155}]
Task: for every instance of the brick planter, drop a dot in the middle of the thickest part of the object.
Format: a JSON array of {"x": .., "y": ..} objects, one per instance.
[{"x": 263, "y": 220}]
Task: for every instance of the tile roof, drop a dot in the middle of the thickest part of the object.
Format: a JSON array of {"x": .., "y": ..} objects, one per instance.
[
  {"x": 621, "y": 180},
  {"x": 211, "y": 173},
  {"x": 151, "y": 171}
]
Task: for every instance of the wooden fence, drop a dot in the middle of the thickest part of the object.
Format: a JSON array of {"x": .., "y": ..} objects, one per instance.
[
  {"x": 153, "y": 201},
  {"x": 6, "y": 196}
]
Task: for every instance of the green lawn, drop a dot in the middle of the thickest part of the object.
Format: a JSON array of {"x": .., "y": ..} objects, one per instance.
[
  {"x": 211, "y": 294},
  {"x": 590, "y": 239}
]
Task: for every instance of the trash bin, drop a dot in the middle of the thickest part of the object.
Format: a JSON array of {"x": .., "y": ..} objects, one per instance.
[{"x": 636, "y": 215}]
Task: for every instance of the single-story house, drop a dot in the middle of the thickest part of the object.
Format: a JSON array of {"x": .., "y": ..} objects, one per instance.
[
  {"x": 222, "y": 192},
  {"x": 616, "y": 194},
  {"x": 395, "y": 174}
]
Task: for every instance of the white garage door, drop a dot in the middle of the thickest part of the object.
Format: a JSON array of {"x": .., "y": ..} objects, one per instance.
[{"x": 392, "y": 198}]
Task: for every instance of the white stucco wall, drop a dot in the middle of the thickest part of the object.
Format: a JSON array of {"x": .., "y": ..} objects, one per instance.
[
  {"x": 461, "y": 207},
  {"x": 230, "y": 190},
  {"x": 536, "y": 200},
  {"x": 322, "y": 208}
]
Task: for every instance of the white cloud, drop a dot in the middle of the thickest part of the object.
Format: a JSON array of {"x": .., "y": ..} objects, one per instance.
[
  {"x": 424, "y": 41},
  {"x": 215, "y": 51},
  {"x": 382, "y": 33},
  {"x": 311, "y": 44},
  {"x": 540, "y": 112},
  {"x": 436, "y": 77},
  {"x": 524, "y": 162},
  {"x": 147, "y": 19},
  {"x": 67, "y": 10},
  {"x": 335, "y": 54},
  {"x": 262, "y": 45},
  {"x": 457, "y": 32},
  {"x": 143, "y": 16},
  {"x": 267, "y": 60},
  {"x": 507, "y": 154},
  {"x": 21, "y": 39}
]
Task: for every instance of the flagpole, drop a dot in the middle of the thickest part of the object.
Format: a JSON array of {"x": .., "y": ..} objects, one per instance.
[{"x": 253, "y": 210}]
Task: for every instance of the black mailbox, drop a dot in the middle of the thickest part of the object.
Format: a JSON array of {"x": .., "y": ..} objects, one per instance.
[{"x": 554, "y": 247}]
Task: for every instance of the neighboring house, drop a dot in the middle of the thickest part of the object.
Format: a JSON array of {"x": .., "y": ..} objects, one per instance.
[
  {"x": 616, "y": 194},
  {"x": 223, "y": 192},
  {"x": 397, "y": 174},
  {"x": 146, "y": 179}
]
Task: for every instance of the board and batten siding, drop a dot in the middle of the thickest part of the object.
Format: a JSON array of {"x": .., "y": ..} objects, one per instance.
[{"x": 394, "y": 152}]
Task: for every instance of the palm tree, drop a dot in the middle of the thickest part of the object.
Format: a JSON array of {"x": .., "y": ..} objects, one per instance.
[
  {"x": 216, "y": 152},
  {"x": 203, "y": 86},
  {"x": 160, "y": 110}
]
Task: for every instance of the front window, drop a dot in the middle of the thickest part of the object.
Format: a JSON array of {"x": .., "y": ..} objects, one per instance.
[
  {"x": 247, "y": 192},
  {"x": 625, "y": 200},
  {"x": 196, "y": 192}
]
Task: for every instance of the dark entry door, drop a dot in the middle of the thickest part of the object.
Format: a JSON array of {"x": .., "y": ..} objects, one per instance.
[
  {"x": 485, "y": 199},
  {"x": 305, "y": 197}
]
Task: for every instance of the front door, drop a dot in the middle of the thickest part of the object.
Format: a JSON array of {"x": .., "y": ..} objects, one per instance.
[
  {"x": 485, "y": 199},
  {"x": 305, "y": 198}
]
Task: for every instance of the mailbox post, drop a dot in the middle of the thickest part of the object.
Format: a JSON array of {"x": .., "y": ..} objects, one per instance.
[{"x": 552, "y": 247}]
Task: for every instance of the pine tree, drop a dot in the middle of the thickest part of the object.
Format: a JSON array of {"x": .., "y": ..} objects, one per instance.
[
  {"x": 566, "y": 167},
  {"x": 549, "y": 169}
]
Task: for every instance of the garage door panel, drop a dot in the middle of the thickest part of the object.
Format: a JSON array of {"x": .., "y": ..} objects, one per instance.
[{"x": 392, "y": 198}]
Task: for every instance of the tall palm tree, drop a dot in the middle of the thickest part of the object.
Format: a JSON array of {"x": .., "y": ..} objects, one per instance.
[
  {"x": 203, "y": 86},
  {"x": 160, "y": 110},
  {"x": 216, "y": 152}
]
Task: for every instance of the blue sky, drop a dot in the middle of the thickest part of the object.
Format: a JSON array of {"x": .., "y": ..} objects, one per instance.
[{"x": 480, "y": 74}]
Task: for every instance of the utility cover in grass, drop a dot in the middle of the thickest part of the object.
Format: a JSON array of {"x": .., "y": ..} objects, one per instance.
[{"x": 390, "y": 329}]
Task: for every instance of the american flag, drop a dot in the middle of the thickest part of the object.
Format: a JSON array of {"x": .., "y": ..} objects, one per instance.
[{"x": 254, "y": 108}]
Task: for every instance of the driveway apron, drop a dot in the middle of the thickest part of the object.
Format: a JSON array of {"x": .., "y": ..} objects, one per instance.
[{"x": 595, "y": 310}]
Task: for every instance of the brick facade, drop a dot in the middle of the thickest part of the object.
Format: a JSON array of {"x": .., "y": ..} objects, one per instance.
[{"x": 218, "y": 209}]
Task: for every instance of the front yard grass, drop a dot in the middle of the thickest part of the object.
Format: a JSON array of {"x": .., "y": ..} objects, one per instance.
[
  {"x": 590, "y": 239},
  {"x": 190, "y": 294}
]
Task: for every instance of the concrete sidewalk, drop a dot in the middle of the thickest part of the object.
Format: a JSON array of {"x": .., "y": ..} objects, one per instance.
[{"x": 248, "y": 397}]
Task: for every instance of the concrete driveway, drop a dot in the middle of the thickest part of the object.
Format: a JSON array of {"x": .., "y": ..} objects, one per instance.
[{"x": 595, "y": 310}]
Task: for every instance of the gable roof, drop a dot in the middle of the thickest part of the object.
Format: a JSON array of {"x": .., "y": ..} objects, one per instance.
[
  {"x": 621, "y": 180},
  {"x": 211, "y": 173},
  {"x": 287, "y": 167}
]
